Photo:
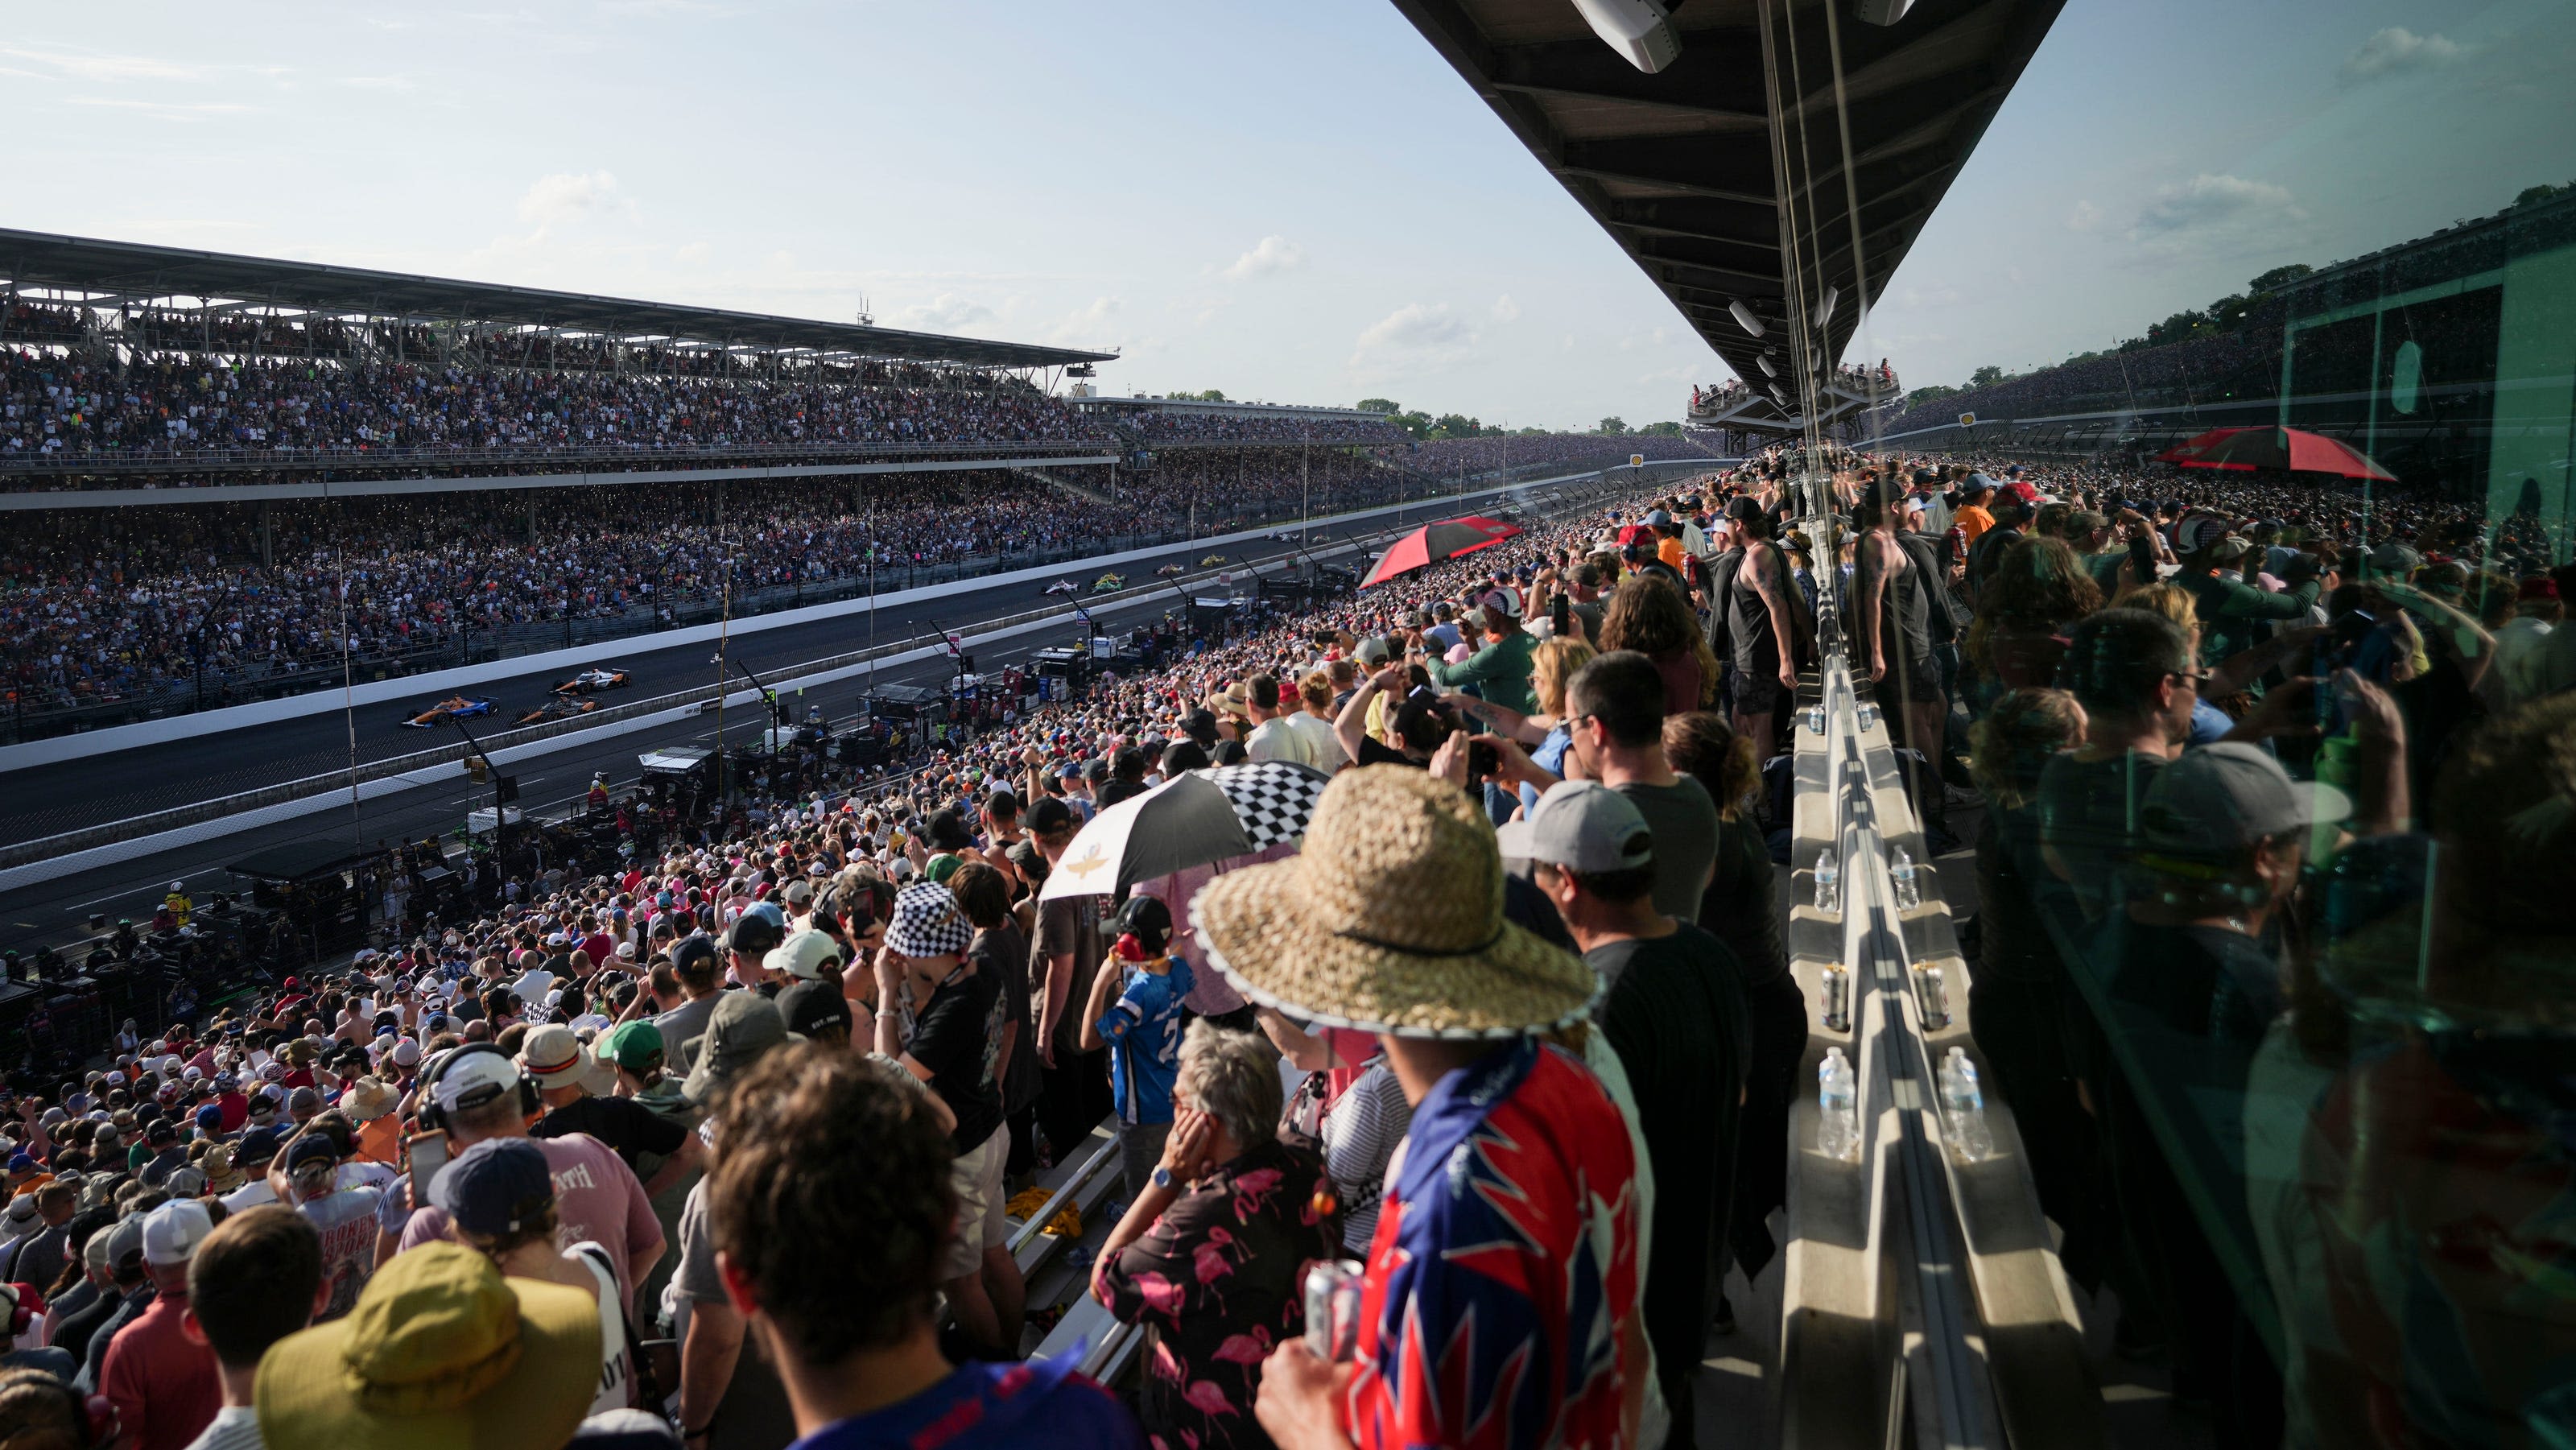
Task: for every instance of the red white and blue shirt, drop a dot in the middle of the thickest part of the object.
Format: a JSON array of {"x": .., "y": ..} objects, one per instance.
[{"x": 1501, "y": 1302}]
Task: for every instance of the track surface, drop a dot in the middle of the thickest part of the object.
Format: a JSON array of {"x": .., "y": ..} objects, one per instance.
[{"x": 127, "y": 783}]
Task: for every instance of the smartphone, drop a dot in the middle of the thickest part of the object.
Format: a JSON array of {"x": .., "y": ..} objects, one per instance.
[
  {"x": 425, "y": 1154},
  {"x": 1482, "y": 760},
  {"x": 1560, "y": 612}
]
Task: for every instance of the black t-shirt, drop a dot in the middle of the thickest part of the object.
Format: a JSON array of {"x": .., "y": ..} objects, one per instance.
[
  {"x": 1674, "y": 1008},
  {"x": 2088, "y": 816},
  {"x": 954, "y": 1037},
  {"x": 621, "y": 1123}
]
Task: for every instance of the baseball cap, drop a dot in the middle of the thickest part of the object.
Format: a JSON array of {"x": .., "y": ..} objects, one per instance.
[
  {"x": 635, "y": 1046},
  {"x": 21, "y": 1212},
  {"x": 693, "y": 951},
  {"x": 798, "y": 893},
  {"x": 256, "y": 1148},
  {"x": 753, "y": 936},
  {"x": 743, "y": 1026},
  {"x": 555, "y": 1057},
  {"x": 1581, "y": 825},
  {"x": 495, "y": 1187},
  {"x": 2217, "y": 800},
  {"x": 1658, "y": 517},
  {"x": 1503, "y": 601},
  {"x": 125, "y": 1241},
  {"x": 473, "y": 1079},
  {"x": 1051, "y": 815},
  {"x": 1372, "y": 650},
  {"x": 172, "y": 1232},
  {"x": 310, "y": 1149},
  {"x": 814, "y": 1006},
  {"x": 808, "y": 956}
]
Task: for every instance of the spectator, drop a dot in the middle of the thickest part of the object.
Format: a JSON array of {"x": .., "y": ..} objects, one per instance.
[
  {"x": 578, "y": 1091},
  {"x": 1210, "y": 1253},
  {"x": 162, "y": 1380},
  {"x": 441, "y": 1350},
  {"x": 1673, "y": 1006},
  {"x": 345, "y": 1218},
  {"x": 255, "y": 1280},
  {"x": 1000, "y": 948},
  {"x": 1650, "y": 616},
  {"x": 1616, "y": 705},
  {"x": 694, "y": 960},
  {"x": 1500, "y": 671},
  {"x": 1391, "y": 918},
  {"x": 1135, "y": 1012},
  {"x": 939, "y": 1017},
  {"x": 480, "y": 1094},
  {"x": 1073, "y": 1091},
  {"x": 500, "y": 1198},
  {"x": 830, "y": 1207}
]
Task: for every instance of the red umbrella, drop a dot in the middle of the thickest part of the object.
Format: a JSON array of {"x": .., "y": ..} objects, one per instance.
[
  {"x": 2297, "y": 450},
  {"x": 1434, "y": 542}
]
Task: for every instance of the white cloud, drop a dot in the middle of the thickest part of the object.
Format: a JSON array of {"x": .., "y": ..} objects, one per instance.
[
  {"x": 90, "y": 66},
  {"x": 1413, "y": 339},
  {"x": 566, "y": 196},
  {"x": 1084, "y": 326},
  {"x": 166, "y": 110},
  {"x": 2398, "y": 49},
  {"x": 1271, "y": 254},
  {"x": 378, "y": 83},
  {"x": 2084, "y": 216},
  {"x": 946, "y": 312},
  {"x": 2212, "y": 202},
  {"x": 1506, "y": 310}
]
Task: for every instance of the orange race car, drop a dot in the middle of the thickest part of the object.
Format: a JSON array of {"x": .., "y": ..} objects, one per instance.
[{"x": 454, "y": 707}]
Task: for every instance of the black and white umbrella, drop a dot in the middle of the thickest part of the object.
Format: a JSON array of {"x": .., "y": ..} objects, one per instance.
[
  {"x": 1272, "y": 798},
  {"x": 1186, "y": 821}
]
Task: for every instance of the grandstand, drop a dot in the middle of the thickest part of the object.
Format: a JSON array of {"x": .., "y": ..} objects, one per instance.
[{"x": 2435, "y": 356}]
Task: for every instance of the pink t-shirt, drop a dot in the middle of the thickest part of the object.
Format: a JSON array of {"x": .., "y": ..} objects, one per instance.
[{"x": 597, "y": 1197}]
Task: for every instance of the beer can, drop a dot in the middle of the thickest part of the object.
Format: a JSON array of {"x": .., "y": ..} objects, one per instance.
[
  {"x": 1838, "y": 999},
  {"x": 1333, "y": 1308},
  {"x": 1936, "y": 998}
]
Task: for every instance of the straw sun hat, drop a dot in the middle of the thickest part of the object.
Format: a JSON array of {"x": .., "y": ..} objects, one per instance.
[{"x": 1391, "y": 920}]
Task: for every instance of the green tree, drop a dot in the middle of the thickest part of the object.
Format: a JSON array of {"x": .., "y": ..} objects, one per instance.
[
  {"x": 1456, "y": 425},
  {"x": 1612, "y": 424},
  {"x": 1210, "y": 396},
  {"x": 1379, "y": 405},
  {"x": 1415, "y": 422},
  {"x": 1930, "y": 393},
  {"x": 1662, "y": 430},
  {"x": 2279, "y": 277},
  {"x": 1987, "y": 377}
]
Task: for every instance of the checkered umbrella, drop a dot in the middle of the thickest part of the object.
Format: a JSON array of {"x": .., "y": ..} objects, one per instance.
[
  {"x": 1273, "y": 798},
  {"x": 1184, "y": 822}
]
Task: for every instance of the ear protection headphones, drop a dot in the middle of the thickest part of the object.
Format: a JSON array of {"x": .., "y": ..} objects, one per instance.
[{"x": 433, "y": 1118}]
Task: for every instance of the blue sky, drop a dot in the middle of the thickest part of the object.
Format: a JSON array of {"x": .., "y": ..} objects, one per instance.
[{"x": 1300, "y": 203}]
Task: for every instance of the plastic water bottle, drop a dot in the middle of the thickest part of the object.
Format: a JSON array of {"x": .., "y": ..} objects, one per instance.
[
  {"x": 1837, "y": 1101},
  {"x": 1964, "y": 1106},
  {"x": 1900, "y": 874},
  {"x": 1868, "y": 714},
  {"x": 1829, "y": 881}
]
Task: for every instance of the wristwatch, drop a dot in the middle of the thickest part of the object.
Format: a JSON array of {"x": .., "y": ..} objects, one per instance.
[{"x": 1162, "y": 1177}]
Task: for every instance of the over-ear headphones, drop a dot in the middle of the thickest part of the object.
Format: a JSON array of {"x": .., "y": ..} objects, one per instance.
[{"x": 433, "y": 1118}]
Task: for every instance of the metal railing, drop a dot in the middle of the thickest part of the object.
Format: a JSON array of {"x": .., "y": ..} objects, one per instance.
[{"x": 1923, "y": 1299}]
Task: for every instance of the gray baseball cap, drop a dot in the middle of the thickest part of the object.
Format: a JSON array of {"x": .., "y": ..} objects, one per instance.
[
  {"x": 2217, "y": 801},
  {"x": 1582, "y": 825}
]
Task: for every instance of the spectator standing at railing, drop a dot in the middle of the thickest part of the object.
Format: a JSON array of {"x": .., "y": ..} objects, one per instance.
[
  {"x": 1210, "y": 1252},
  {"x": 1392, "y": 919}
]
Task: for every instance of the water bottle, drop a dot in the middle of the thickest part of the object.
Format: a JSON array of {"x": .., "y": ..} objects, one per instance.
[
  {"x": 1829, "y": 881},
  {"x": 1868, "y": 714},
  {"x": 1964, "y": 1106},
  {"x": 1816, "y": 719},
  {"x": 1900, "y": 874},
  {"x": 1837, "y": 1101}
]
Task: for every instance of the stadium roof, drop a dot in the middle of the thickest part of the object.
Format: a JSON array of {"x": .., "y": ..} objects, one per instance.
[
  {"x": 1679, "y": 166},
  {"x": 129, "y": 271}
]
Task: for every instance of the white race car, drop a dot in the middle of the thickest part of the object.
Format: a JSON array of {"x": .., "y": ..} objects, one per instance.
[{"x": 1064, "y": 586}]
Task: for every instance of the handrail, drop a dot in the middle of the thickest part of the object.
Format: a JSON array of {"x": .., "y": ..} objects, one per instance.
[{"x": 1920, "y": 1288}]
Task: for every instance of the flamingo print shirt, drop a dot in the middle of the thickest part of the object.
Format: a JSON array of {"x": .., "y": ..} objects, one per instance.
[{"x": 1217, "y": 1277}]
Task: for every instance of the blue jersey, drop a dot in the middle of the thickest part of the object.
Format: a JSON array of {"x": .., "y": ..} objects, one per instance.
[{"x": 1143, "y": 1030}]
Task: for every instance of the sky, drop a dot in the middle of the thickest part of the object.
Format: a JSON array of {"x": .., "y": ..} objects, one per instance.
[{"x": 1292, "y": 203}]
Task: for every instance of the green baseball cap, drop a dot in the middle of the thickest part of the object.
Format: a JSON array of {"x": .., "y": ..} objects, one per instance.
[
  {"x": 942, "y": 866},
  {"x": 634, "y": 1046}
]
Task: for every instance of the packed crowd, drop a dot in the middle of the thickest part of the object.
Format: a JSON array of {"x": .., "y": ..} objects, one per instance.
[
  {"x": 728, "y": 1131},
  {"x": 1446, "y": 457},
  {"x": 1159, "y": 427},
  {"x": 179, "y": 403}
]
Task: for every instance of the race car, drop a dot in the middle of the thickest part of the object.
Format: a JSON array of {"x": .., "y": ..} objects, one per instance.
[
  {"x": 589, "y": 681},
  {"x": 454, "y": 707},
  {"x": 564, "y": 709},
  {"x": 1064, "y": 586},
  {"x": 1168, "y": 570},
  {"x": 1109, "y": 584},
  {"x": 1211, "y": 561}
]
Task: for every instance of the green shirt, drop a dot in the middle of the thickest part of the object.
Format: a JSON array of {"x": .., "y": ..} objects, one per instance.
[
  {"x": 2229, "y": 610},
  {"x": 1500, "y": 672}
]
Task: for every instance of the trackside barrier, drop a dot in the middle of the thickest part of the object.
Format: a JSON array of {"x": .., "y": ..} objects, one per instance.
[{"x": 1923, "y": 1301}]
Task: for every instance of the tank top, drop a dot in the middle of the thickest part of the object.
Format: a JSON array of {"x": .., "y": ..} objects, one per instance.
[
  {"x": 1905, "y": 625},
  {"x": 616, "y": 1367},
  {"x": 1748, "y": 624}
]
